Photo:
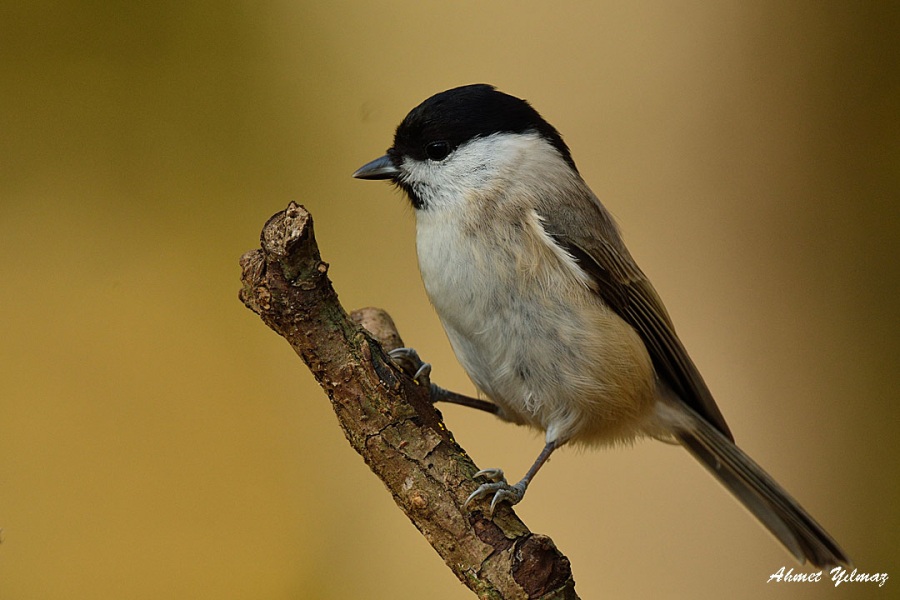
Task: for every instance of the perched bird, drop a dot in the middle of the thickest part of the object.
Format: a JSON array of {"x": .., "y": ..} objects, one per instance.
[{"x": 546, "y": 309}]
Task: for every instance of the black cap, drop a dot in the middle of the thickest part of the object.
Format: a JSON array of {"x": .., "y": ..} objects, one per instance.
[{"x": 464, "y": 113}]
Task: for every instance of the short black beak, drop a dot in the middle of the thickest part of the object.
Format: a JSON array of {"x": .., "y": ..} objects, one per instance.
[{"x": 380, "y": 168}]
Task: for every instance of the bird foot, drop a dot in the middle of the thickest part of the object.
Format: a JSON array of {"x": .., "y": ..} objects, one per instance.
[
  {"x": 409, "y": 362},
  {"x": 498, "y": 486}
]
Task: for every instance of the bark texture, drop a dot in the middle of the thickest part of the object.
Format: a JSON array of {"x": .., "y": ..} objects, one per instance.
[{"x": 390, "y": 420}]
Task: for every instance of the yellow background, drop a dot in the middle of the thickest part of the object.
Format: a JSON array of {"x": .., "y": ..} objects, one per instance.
[{"x": 158, "y": 441}]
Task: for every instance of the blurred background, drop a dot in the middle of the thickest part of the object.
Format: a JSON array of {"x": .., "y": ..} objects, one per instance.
[{"x": 158, "y": 441}]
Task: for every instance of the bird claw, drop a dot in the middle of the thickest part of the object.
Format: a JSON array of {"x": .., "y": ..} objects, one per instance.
[
  {"x": 409, "y": 362},
  {"x": 492, "y": 475},
  {"x": 498, "y": 486}
]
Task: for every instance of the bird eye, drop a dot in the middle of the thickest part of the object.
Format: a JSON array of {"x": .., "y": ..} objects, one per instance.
[{"x": 437, "y": 150}]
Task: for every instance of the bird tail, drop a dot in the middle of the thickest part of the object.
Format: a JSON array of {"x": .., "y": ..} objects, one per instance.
[{"x": 761, "y": 494}]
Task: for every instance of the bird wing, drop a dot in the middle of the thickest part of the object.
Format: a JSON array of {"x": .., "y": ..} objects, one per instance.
[{"x": 586, "y": 230}]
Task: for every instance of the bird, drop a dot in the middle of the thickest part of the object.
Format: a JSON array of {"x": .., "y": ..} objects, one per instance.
[{"x": 546, "y": 309}]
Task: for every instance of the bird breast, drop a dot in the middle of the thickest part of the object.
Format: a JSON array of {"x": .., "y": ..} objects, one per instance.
[{"x": 529, "y": 329}]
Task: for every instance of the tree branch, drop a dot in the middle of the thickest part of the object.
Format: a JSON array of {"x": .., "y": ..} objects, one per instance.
[{"x": 390, "y": 420}]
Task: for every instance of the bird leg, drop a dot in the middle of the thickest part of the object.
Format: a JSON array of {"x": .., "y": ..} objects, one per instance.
[
  {"x": 409, "y": 362},
  {"x": 503, "y": 492}
]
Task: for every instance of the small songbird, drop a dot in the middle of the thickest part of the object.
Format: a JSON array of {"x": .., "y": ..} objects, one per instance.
[{"x": 546, "y": 309}]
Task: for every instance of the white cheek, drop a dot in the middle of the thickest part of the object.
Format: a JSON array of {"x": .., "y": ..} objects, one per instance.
[
  {"x": 472, "y": 168},
  {"x": 434, "y": 184}
]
